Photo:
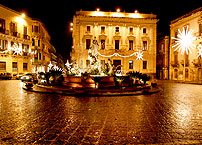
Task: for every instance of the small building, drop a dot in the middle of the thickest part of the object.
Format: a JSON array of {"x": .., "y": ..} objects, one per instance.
[
  {"x": 120, "y": 36},
  {"x": 24, "y": 43},
  {"x": 162, "y": 58},
  {"x": 186, "y": 67}
]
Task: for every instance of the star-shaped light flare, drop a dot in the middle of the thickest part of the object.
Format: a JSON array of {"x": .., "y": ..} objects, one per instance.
[
  {"x": 139, "y": 55},
  {"x": 184, "y": 42}
]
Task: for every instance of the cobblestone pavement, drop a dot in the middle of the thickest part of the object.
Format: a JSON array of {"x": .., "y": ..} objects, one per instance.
[{"x": 173, "y": 116}]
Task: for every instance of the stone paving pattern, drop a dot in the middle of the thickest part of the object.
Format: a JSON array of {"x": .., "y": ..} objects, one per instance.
[{"x": 173, "y": 116}]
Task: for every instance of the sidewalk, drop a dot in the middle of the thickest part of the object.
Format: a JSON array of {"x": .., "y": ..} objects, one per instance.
[{"x": 92, "y": 91}]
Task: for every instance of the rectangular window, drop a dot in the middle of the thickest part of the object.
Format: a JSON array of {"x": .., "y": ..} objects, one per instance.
[
  {"x": 130, "y": 44},
  {"x": 117, "y": 29},
  {"x": 3, "y": 44},
  {"x": 102, "y": 44},
  {"x": 130, "y": 64},
  {"x": 25, "y": 48},
  {"x": 87, "y": 43},
  {"x": 102, "y": 29},
  {"x": 2, "y": 26},
  {"x": 144, "y": 30},
  {"x": 144, "y": 64},
  {"x": 24, "y": 66},
  {"x": 38, "y": 42},
  {"x": 15, "y": 66},
  {"x": 39, "y": 56},
  {"x": 88, "y": 28},
  {"x": 131, "y": 30},
  {"x": 33, "y": 42},
  {"x": 35, "y": 29},
  {"x": 144, "y": 45},
  {"x": 13, "y": 29},
  {"x": 2, "y": 65},
  {"x": 117, "y": 44}
]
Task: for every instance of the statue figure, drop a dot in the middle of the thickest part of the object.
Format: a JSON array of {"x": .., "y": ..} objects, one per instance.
[
  {"x": 93, "y": 56},
  {"x": 110, "y": 67}
]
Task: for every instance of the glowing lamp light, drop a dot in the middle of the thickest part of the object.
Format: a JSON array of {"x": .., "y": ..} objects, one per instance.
[
  {"x": 98, "y": 9},
  {"x": 23, "y": 15},
  {"x": 184, "y": 42},
  {"x": 50, "y": 65},
  {"x": 118, "y": 10}
]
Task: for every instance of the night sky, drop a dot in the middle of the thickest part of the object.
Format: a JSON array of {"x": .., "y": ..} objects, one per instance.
[{"x": 57, "y": 14}]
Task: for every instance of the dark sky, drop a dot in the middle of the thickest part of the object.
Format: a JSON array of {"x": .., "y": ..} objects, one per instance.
[{"x": 57, "y": 14}]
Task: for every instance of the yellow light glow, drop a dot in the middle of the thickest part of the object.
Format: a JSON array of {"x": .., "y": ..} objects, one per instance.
[
  {"x": 136, "y": 15},
  {"x": 117, "y": 15},
  {"x": 118, "y": 10},
  {"x": 98, "y": 9},
  {"x": 20, "y": 20},
  {"x": 136, "y": 11},
  {"x": 23, "y": 15},
  {"x": 71, "y": 29},
  {"x": 71, "y": 24},
  {"x": 97, "y": 13}
]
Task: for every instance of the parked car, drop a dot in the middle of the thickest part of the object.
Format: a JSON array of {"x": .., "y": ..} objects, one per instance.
[
  {"x": 18, "y": 77},
  {"x": 5, "y": 76},
  {"x": 29, "y": 77}
]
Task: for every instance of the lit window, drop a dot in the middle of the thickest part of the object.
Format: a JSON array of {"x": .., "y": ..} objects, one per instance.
[
  {"x": 102, "y": 29},
  {"x": 2, "y": 65},
  {"x": 102, "y": 44},
  {"x": 24, "y": 66},
  {"x": 144, "y": 45},
  {"x": 130, "y": 64},
  {"x": 130, "y": 44},
  {"x": 15, "y": 66}
]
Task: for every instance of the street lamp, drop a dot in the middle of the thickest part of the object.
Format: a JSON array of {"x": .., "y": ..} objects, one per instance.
[{"x": 184, "y": 42}]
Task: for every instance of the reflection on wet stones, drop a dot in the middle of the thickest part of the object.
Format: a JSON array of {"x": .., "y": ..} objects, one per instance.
[{"x": 171, "y": 116}]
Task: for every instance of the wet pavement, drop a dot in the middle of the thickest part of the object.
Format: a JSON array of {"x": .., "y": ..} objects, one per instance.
[{"x": 173, "y": 116}]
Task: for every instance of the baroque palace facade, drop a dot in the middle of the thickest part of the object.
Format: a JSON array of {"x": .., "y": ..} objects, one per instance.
[
  {"x": 120, "y": 36},
  {"x": 24, "y": 43},
  {"x": 187, "y": 67}
]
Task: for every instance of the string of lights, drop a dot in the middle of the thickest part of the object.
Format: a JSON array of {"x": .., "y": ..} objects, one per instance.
[{"x": 116, "y": 54}]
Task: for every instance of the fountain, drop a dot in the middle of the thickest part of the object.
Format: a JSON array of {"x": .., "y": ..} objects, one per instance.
[{"x": 93, "y": 74}]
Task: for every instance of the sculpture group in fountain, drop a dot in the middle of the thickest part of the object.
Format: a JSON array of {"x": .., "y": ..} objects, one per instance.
[
  {"x": 93, "y": 57},
  {"x": 94, "y": 67}
]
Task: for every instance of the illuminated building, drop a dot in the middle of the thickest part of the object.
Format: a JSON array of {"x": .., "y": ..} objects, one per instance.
[
  {"x": 24, "y": 43},
  {"x": 162, "y": 58},
  {"x": 186, "y": 66},
  {"x": 120, "y": 35}
]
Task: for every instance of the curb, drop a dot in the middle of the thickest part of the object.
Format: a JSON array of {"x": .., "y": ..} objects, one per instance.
[{"x": 90, "y": 93}]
